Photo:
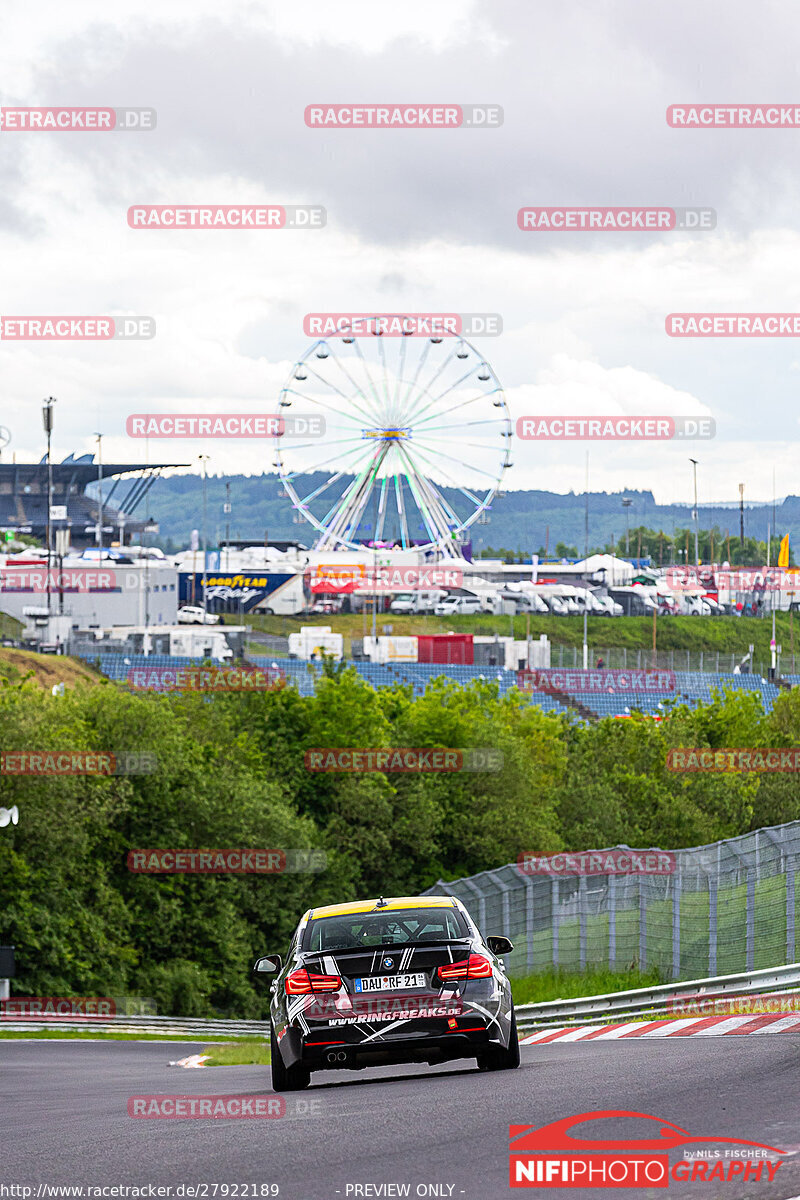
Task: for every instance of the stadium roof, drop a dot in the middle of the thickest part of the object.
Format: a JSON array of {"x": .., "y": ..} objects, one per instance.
[{"x": 84, "y": 469}]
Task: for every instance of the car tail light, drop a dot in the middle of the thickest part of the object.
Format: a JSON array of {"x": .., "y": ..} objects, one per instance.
[
  {"x": 302, "y": 982},
  {"x": 474, "y": 967}
]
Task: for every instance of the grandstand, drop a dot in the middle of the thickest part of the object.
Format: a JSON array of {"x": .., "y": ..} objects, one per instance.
[
  {"x": 692, "y": 687},
  {"x": 23, "y": 497}
]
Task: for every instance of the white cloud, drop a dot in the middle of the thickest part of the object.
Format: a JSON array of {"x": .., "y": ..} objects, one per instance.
[{"x": 417, "y": 222}]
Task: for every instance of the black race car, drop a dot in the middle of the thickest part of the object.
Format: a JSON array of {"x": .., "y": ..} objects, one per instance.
[{"x": 388, "y": 981}]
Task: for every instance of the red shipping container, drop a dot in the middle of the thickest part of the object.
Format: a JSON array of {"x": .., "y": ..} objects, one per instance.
[{"x": 445, "y": 648}]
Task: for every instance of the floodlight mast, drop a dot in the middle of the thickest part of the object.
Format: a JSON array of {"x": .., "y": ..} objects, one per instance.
[{"x": 47, "y": 420}]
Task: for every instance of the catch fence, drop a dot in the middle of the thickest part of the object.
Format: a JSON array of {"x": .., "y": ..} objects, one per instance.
[{"x": 727, "y": 907}]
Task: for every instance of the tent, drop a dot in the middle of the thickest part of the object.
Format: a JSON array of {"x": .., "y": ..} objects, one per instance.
[{"x": 606, "y": 569}]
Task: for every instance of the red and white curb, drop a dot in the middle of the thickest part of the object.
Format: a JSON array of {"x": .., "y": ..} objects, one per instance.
[
  {"x": 684, "y": 1027},
  {"x": 192, "y": 1060}
]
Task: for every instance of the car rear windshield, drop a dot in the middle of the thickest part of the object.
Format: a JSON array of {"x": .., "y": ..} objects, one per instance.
[{"x": 385, "y": 928}]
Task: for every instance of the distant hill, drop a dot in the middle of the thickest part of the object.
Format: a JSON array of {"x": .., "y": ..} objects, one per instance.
[{"x": 524, "y": 520}]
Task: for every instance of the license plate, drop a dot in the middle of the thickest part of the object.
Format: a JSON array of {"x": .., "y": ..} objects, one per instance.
[{"x": 388, "y": 983}]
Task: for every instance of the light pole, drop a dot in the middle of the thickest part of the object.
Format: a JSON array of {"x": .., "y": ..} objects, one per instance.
[
  {"x": 227, "y": 511},
  {"x": 204, "y": 460},
  {"x": 741, "y": 524},
  {"x": 375, "y": 572},
  {"x": 47, "y": 419},
  {"x": 693, "y": 461},
  {"x": 626, "y": 504},
  {"x": 99, "y": 437},
  {"x": 585, "y": 581},
  {"x": 773, "y": 645}
]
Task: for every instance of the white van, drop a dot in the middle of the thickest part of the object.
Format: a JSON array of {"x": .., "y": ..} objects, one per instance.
[
  {"x": 459, "y": 606},
  {"x": 415, "y": 602},
  {"x": 608, "y": 607},
  {"x": 531, "y": 601},
  {"x": 587, "y": 601}
]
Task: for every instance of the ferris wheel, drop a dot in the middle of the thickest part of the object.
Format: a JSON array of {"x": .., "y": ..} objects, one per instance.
[{"x": 417, "y": 439}]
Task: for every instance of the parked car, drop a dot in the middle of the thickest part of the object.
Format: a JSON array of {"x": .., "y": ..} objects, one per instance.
[
  {"x": 511, "y": 603},
  {"x": 692, "y": 606},
  {"x": 329, "y": 605},
  {"x": 502, "y": 604},
  {"x": 609, "y": 607},
  {"x": 525, "y": 600},
  {"x": 410, "y": 603},
  {"x": 460, "y": 606},
  {"x": 191, "y": 614}
]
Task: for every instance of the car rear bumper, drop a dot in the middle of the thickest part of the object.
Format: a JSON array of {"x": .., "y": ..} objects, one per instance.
[
  {"x": 320, "y": 1054},
  {"x": 327, "y": 1047}
]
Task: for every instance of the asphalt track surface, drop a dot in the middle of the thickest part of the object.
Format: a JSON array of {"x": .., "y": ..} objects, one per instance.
[{"x": 63, "y": 1117}]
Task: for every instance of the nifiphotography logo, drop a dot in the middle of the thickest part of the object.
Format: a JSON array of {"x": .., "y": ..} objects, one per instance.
[{"x": 551, "y": 1156}]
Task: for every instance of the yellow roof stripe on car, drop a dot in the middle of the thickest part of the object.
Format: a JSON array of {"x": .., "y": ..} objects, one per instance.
[{"x": 361, "y": 906}]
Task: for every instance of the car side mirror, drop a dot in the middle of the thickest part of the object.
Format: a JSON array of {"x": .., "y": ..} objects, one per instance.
[
  {"x": 500, "y": 945},
  {"x": 269, "y": 965}
]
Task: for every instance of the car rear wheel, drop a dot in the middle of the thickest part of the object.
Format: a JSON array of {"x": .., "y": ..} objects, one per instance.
[
  {"x": 286, "y": 1079},
  {"x": 499, "y": 1058}
]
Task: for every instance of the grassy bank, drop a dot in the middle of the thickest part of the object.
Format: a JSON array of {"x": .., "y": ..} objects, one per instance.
[
  {"x": 552, "y": 985},
  {"x": 45, "y": 669}
]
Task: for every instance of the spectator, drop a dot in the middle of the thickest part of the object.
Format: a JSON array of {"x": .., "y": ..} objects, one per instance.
[{"x": 600, "y": 664}]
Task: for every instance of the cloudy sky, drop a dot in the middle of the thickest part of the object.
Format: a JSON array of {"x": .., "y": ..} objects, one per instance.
[{"x": 417, "y": 220}]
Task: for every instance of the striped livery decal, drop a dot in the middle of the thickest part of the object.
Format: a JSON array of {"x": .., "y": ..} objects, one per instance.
[{"x": 683, "y": 1027}]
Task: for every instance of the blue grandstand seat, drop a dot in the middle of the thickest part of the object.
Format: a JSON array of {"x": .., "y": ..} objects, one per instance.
[{"x": 691, "y": 687}]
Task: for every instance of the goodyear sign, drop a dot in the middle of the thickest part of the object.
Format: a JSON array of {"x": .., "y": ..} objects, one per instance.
[{"x": 230, "y": 591}]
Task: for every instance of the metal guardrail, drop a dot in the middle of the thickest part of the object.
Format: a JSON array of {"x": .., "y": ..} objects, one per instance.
[
  {"x": 633, "y": 1003},
  {"x": 653, "y": 1001},
  {"x": 193, "y": 1027}
]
